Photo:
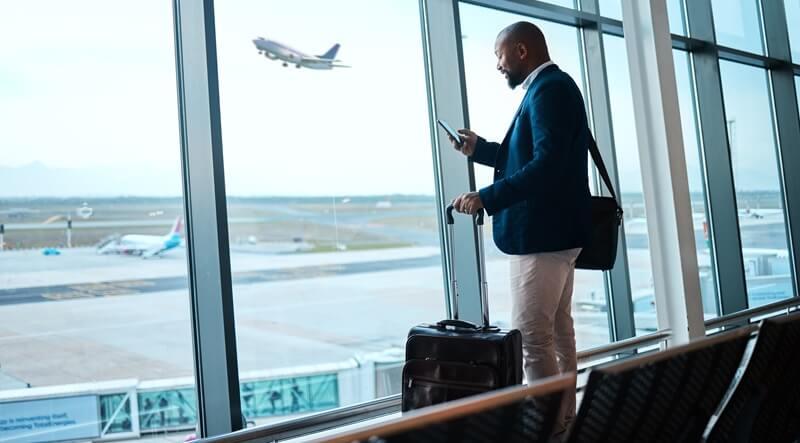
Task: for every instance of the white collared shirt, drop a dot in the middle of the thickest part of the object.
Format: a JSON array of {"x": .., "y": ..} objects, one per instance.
[{"x": 532, "y": 76}]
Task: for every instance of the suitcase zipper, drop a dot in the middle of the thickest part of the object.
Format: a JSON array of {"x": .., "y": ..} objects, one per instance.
[{"x": 461, "y": 385}]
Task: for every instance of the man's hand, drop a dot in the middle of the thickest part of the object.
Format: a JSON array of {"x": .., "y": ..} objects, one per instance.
[
  {"x": 468, "y": 140},
  {"x": 468, "y": 203}
]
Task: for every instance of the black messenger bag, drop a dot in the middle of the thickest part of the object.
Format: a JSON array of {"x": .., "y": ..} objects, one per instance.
[{"x": 601, "y": 253}]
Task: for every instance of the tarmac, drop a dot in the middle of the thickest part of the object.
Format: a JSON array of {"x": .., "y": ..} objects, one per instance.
[{"x": 107, "y": 317}]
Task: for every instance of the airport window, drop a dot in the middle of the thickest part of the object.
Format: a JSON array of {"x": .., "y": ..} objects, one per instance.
[
  {"x": 93, "y": 276},
  {"x": 564, "y": 3},
  {"x": 630, "y": 179},
  {"x": 694, "y": 169},
  {"x": 792, "y": 8},
  {"x": 333, "y": 229},
  {"x": 492, "y": 105},
  {"x": 755, "y": 174},
  {"x": 737, "y": 24},
  {"x": 613, "y": 9},
  {"x": 677, "y": 14},
  {"x": 797, "y": 90}
]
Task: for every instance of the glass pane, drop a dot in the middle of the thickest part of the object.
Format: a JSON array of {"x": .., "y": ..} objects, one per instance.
[
  {"x": 792, "y": 19},
  {"x": 333, "y": 226},
  {"x": 613, "y": 9},
  {"x": 694, "y": 165},
  {"x": 737, "y": 24},
  {"x": 677, "y": 25},
  {"x": 491, "y": 107},
  {"x": 564, "y": 3},
  {"x": 755, "y": 174},
  {"x": 93, "y": 289},
  {"x": 797, "y": 89},
  {"x": 630, "y": 179}
]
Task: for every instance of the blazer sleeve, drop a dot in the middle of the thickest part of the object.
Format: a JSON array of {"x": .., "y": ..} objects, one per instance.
[
  {"x": 550, "y": 121},
  {"x": 485, "y": 152}
]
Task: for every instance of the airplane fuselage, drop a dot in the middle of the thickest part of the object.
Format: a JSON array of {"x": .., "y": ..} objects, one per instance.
[
  {"x": 278, "y": 51},
  {"x": 143, "y": 245}
]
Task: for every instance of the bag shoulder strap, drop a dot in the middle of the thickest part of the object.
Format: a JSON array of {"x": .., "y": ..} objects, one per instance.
[{"x": 601, "y": 167}]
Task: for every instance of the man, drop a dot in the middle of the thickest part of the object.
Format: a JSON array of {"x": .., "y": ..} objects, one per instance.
[{"x": 539, "y": 200}]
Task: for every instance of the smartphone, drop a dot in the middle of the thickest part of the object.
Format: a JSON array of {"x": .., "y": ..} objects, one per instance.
[{"x": 451, "y": 132}]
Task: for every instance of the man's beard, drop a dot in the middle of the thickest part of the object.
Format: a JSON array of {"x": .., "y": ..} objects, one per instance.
[{"x": 514, "y": 79}]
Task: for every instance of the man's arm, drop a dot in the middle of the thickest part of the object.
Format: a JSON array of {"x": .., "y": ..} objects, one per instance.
[
  {"x": 485, "y": 152},
  {"x": 551, "y": 127}
]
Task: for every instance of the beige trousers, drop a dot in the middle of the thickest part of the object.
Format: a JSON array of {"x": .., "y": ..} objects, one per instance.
[{"x": 541, "y": 308}]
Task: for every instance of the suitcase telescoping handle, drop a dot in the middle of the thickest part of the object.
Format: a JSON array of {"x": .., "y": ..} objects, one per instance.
[{"x": 454, "y": 292}]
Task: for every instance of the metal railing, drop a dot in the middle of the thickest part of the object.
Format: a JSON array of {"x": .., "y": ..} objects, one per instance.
[
  {"x": 741, "y": 317},
  {"x": 310, "y": 424},
  {"x": 623, "y": 346}
]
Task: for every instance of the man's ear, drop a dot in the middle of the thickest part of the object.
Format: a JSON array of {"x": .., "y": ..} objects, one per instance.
[{"x": 522, "y": 51}]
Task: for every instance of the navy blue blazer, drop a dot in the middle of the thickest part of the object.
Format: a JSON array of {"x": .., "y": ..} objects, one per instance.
[{"x": 540, "y": 197}]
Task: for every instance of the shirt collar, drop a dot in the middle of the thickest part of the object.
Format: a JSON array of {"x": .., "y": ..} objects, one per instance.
[{"x": 532, "y": 76}]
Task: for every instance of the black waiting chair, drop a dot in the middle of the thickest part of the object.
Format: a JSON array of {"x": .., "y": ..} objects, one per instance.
[
  {"x": 765, "y": 403},
  {"x": 667, "y": 396},
  {"x": 512, "y": 415}
]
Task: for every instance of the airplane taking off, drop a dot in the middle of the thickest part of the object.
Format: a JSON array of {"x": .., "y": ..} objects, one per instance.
[
  {"x": 146, "y": 246},
  {"x": 278, "y": 51}
]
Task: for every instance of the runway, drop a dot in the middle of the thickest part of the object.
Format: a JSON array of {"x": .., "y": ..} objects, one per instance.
[{"x": 142, "y": 286}]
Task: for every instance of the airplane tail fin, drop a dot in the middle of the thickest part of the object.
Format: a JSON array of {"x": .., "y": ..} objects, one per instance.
[
  {"x": 331, "y": 54},
  {"x": 177, "y": 227}
]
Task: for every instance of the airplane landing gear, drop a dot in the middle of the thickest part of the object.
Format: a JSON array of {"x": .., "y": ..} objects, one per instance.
[
  {"x": 285, "y": 65},
  {"x": 297, "y": 66}
]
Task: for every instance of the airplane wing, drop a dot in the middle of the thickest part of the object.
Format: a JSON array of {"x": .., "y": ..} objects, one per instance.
[{"x": 333, "y": 63}]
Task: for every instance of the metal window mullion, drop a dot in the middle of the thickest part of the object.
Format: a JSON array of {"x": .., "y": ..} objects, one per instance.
[
  {"x": 441, "y": 37},
  {"x": 213, "y": 335},
  {"x": 617, "y": 281},
  {"x": 726, "y": 243},
  {"x": 786, "y": 118}
]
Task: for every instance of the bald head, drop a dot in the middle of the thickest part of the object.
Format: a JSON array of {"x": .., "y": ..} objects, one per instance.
[{"x": 520, "y": 48}]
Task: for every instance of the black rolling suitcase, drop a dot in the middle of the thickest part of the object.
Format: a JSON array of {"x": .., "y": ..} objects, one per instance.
[{"x": 454, "y": 358}]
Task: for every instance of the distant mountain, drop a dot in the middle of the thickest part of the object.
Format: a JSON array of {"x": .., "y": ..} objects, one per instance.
[{"x": 40, "y": 180}]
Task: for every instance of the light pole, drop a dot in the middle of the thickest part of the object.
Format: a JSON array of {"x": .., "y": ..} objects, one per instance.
[{"x": 69, "y": 230}]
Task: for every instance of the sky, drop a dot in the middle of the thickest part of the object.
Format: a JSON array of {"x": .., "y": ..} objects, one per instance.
[{"x": 90, "y": 85}]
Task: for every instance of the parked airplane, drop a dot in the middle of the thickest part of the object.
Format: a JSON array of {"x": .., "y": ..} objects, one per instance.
[
  {"x": 145, "y": 246},
  {"x": 278, "y": 51}
]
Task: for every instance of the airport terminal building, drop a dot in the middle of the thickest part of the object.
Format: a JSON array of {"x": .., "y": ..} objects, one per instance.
[{"x": 219, "y": 220}]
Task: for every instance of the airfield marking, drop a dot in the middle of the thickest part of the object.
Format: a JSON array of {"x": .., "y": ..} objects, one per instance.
[{"x": 142, "y": 286}]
